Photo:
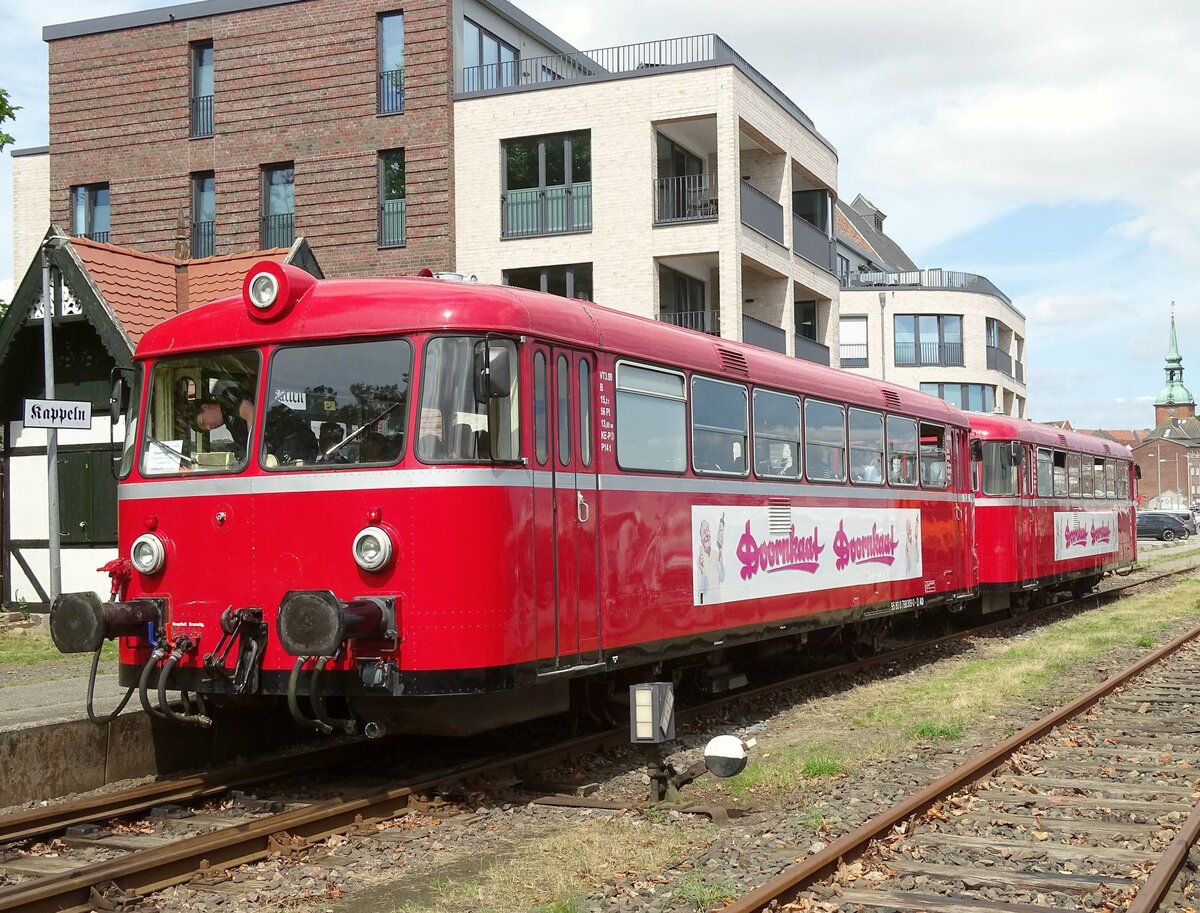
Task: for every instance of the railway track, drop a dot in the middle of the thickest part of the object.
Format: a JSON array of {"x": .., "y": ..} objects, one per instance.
[
  {"x": 1093, "y": 805},
  {"x": 178, "y": 842}
]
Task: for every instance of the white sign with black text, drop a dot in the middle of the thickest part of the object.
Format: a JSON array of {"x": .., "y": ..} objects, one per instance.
[{"x": 57, "y": 413}]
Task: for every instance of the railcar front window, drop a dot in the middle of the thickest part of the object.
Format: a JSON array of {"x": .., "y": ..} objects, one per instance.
[
  {"x": 334, "y": 406},
  {"x": 131, "y": 422},
  {"x": 200, "y": 413},
  {"x": 999, "y": 471},
  {"x": 454, "y": 425}
]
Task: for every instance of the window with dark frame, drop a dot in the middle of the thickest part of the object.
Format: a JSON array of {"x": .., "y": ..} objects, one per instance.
[
  {"x": 824, "y": 441},
  {"x": 204, "y": 214},
  {"x": 547, "y": 185},
  {"x": 489, "y": 62},
  {"x": 720, "y": 421},
  {"x": 279, "y": 205},
  {"x": 391, "y": 63},
  {"x": 928, "y": 339},
  {"x": 393, "y": 205},
  {"x": 866, "y": 447},
  {"x": 651, "y": 419},
  {"x": 682, "y": 301},
  {"x": 972, "y": 397},
  {"x": 573, "y": 280},
  {"x": 902, "y": 450},
  {"x": 90, "y": 211},
  {"x": 776, "y": 435},
  {"x": 203, "y": 87}
]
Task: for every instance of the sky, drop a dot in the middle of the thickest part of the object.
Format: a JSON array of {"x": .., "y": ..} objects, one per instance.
[{"x": 1052, "y": 147}]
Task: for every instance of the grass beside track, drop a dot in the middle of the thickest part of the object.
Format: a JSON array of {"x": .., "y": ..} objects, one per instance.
[{"x": 30, "y": 649}]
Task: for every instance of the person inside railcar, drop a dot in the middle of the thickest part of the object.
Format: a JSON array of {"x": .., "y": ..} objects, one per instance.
[{"x": 232, "y": 409}]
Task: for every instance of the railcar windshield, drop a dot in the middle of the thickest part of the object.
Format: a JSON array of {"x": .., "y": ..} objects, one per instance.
[
  {"x": 131, "y": 422},
  {"x": 456, "y": 422},
  {"x": 200, "y": 413},
  {"x": 332, "y": 406}
]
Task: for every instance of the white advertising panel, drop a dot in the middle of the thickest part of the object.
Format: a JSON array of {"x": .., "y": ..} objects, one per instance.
[
  {"x": 1081, "y": 534},
  {"x": 752, "y": 552},
  {"x": 57, "y": 413}
]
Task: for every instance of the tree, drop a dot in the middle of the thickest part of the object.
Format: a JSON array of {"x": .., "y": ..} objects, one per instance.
[{"x": 7, "y": 110}]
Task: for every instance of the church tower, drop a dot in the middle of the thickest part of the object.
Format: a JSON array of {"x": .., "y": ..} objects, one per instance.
[{"x": 1175, "y": 400}]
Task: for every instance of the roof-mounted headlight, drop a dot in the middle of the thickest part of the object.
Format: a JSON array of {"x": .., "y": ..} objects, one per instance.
[
  {"x": 270, "y": 289},
  {"x": 148, "y": 553},
  {"x": 264, "y": 289}
]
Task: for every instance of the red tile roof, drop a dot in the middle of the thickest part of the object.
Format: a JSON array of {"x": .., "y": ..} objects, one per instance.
[{"x": 145, "y": 289}]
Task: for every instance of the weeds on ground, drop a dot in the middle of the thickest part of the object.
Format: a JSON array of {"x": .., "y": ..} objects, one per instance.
[
  {"x": 1145, "y": 641},
  {"x": 935, "y": 731},
  {"x": 706, "y": 894},
  {"x": 780, "y": 769},
  {"x": 30, "y": 649}
]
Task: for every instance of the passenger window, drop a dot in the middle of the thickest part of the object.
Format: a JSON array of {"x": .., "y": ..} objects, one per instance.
[
  {"x": 935, "y": 472},
  {"x": 564, "y": 410},
  {"x": 999, "y": 471},
  {"x": 1100, "y": 485},
  {"x": 585, "y": 413},
  {"x": 824, "y": 442},
  {"x": 719, "y": 426},
  {"x": 1060, "y": 474},
  {"x": 902, "y": 450},
  {"x": 1110, "y": 479},
  {"x": 1045, "y": 473},
  {"x": 866, "y": 447},
  {"x": 1122, "y": 481},
  {"x": 1086, "y": 480},
  {"x": 776, "y": 435},
  {"x": 1073, "y": 460},
  {"x": 651, "y": 419},
  {"x": 541, "y": 441}
]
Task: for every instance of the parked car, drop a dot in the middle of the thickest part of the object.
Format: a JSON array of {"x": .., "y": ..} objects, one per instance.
[
  {"x": 1161, "y": 526},
  {"x": 1185, "y": 516}
]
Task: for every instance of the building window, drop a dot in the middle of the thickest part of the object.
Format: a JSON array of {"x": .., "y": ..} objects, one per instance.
[
  {"x": 89, "y": 211},
  {"x": 547, "y": 185},
  {"x": 279, "y": 205},
  {"x": 805, "y": 313},
  {"x": 571, "y": 281},
  {"x": 852, "y": 334},
  {"x": 393, "y": 216},
  {"x": 681, "y": 301},
  {"x": 929, "y": 339},
  {"x": 488, "y": 62},
  {"x": 684, "y": 190},
  {"x": 204, "y": 214},
  {"x": 202, "y": 89},
  {"x": 391, "y": 63},
  {"x": 843, "y": 270},
  {"x": 972, "y": 397}
]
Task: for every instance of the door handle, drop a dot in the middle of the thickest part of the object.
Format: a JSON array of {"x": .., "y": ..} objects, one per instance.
[
  {"x": 581, "y": 507},
  {"x": 958, "y": 512}
]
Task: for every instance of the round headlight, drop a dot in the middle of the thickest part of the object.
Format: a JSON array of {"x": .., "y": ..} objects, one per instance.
[
  {"x": 372, "y": 548},
  {"x": 148, "y": 554},
  {"x": 264, "y": 289}
]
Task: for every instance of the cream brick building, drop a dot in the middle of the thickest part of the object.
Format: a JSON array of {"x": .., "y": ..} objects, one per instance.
[
  {"x": 31, "y": 205},
  {"x": 668, "y": 179}
]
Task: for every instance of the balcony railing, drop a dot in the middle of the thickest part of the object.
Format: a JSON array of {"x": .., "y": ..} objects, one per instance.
[
  {"x": 761, "y": 213},
  {"x": 393, "y": 223},
  {"x": 685, "y": 198},
  {"x": 759, "y": 333},
  {"x": 999, "y": 360},
  {"x": 810, "y": 350},
  {"x": 811, "y": 243},
  {"x": 202, "y": 115},
  {"x": 703, "y": 321},
  {"x": 391, "y": 91},
  {"x": 101, "y": 236},
  {"x": 1020, "y": 375},
  {"x": 204, "y": 239},
  {"x": 853, "y": 355},
  {"x": 279, "y": 230},
  {"x": 945, "y": 354},
  {"x": 931, "y": 278},
  {"x": 550, "y": 211}
]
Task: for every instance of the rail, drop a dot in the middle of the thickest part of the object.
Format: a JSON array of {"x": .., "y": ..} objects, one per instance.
[
  {"x": 201, "y": 115},
  {"x": 560, "y": 209},
  {"x": 685, "y": 198},
  {"x": 761, "y": 213},
  {"x": 945, "y": 354},
  {"x": 999, "y": 360},
  {"x": 391, "y": 91},
  {"x": 279, "y": 230},
  {"x": 810, "y": 350},
  {"x": 393, "y": 223},
  {"x": 811, "y": 243},
  {"x": 853, "y": 355},
  {"x": 702, "y": 321},
  {"x": 204, "y": 239},
  {"x": 931, "y": 278},
  {"x": 765, "y": 335}
]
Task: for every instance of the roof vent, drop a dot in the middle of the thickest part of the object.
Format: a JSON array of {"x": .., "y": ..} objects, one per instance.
[
  {"x": 892, "y": 399},
  {"x": 1062, "y": 441},
  {"x": 733, "y": 362}
]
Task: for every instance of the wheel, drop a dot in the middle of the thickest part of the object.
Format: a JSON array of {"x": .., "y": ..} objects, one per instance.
[
  {"x": 1168, "y": 535},
  {"x": 1183, "y": 534}
]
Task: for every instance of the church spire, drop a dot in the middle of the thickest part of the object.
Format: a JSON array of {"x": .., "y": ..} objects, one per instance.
[{"x": 1175, "y": 400}]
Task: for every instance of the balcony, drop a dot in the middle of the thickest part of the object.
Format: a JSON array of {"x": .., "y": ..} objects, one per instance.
[
  {"x": 810, "y": 350},
  {"x": 943, "y": 354},
  {"x": 759, "y": 333},
  {"x": 853, "y": 355},
  {"x": 930, "y": 278},
  {"x": 100, "y": 236},
  {"x": 686, "y": 198},
  {"x": 527, "y": 213},
  {"x": 811, "y": 243},
  {"x": 393, "y": 223},
  {"x": 701, "y": 321},
  {"x": 278, "y": 230},
  {"x": 201, "y": 107},
  {"x": 204, "y": 239},
  {"x": 1020, "y": 376},
  {"x": 391, "y": 91},
  {"x": 999, "y": 360},
  {"x": 761, "y": 213}
]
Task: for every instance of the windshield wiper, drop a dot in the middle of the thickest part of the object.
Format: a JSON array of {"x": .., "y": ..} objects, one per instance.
[
  {"x": 173, "y": 452},
  {"x": 354, "y": 434}
]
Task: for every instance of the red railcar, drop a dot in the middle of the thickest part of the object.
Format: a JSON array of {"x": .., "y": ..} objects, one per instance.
[
  {"x": 442, "y": 501},
  {"x": 1054, "y": 510}
]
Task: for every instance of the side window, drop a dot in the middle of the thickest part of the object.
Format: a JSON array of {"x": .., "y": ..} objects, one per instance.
[
  {"x": 585, "y": 413},
  {"x": 902, "y": 450},
  {"x": 651, "y": 419},
  {"x": 1086, "y": 479},
  {"x": 999, "y": 471},
  {"x": 1110, "y": 478},
  {"x": 935, "y": 470},
  {"x": 563, "y": 386},
  {"x": 866, "y": 447},
  {"x": 824, "y": 441},
  {"x": 1045, "y": 473},
  {"x": 1073, "y": 460},
  {"x": 1060, "y": 474},
  {"x": 776, "y": 435},
  {"x": 719, "y": 426},
  {"x": 1122, "y": 481},
  {"x": 541, "y": 438},
  {"x": 1099, "y": 485}
]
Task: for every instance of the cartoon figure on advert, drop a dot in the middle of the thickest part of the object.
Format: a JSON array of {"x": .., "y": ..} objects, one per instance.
[
  {"x": 910, "y": 543},
  {"x": 710, "y": 565}
]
